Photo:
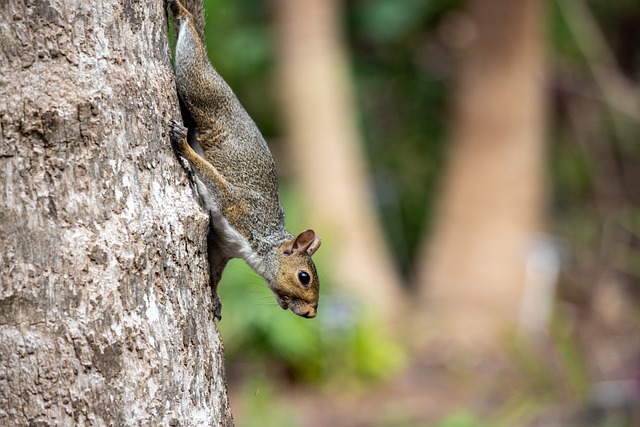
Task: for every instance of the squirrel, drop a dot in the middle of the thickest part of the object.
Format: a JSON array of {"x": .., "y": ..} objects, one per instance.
[{"x": 236, "y": 178}]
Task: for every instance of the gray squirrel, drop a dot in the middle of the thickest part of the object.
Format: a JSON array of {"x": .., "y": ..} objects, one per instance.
[{"x": 236, "y": 177}]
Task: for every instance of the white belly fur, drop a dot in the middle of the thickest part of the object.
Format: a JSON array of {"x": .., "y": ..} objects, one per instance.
[{"x": 233, "y": 243}]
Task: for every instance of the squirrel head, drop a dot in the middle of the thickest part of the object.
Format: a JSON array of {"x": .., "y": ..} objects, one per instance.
[{"x": 296, "y": 284}]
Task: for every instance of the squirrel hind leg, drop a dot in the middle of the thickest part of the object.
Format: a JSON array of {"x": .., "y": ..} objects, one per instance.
[
  {"x": 215, "y": 274},
  {"x": 217, "y": 263},
  {"x": 176, "y": 8}
]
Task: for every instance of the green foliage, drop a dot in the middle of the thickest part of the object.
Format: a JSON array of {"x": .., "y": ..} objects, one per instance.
[
  {"x": 254, "y": 327},
  {"x": 261, "y": 407},
  {"x": 560, "y": 36},
  {"x": 391, "y": 20},
  {"x": 461, "y": 419}
]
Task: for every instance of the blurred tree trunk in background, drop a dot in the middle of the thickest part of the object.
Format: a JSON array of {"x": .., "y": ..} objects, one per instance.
[
  {"x": 105, "y": 308},
  {"x": 327, "y": 154},
  {"x": 473, "y": 269}
]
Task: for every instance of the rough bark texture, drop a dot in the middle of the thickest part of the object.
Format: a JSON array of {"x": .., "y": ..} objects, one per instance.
[
  {"x": 105, "y": 311},
  {"x": 473, "y": 272},
  {"x": 326, "y": 148}
]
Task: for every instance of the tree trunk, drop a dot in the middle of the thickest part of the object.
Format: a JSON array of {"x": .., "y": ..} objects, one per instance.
[
  {"x": 327, "y": 153},
  {"x": 105, "y": 310},
  {"x": 473, "y": 272}
]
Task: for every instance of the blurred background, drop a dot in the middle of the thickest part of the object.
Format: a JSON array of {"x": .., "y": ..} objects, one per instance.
[{"x": 473, "y": 168}]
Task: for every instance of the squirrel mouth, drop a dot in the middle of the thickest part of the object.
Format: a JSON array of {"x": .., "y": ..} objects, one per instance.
[{"x": 282, "y": 303}]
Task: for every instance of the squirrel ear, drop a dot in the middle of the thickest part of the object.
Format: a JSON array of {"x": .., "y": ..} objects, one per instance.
[
  {"x": 315, "y": 244},
  {"x": 307, "y": 241}
]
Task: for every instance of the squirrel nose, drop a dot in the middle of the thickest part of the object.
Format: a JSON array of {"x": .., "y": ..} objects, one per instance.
[{"x": 310, "y": 314}]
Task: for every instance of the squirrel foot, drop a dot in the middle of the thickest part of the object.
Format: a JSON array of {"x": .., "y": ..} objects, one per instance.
[
  {"x": 217, "y": 307},
  {"x": 178, "y": 137},
  {"x": 176, "y": 8},
  {"x": 178, "y": 131}
]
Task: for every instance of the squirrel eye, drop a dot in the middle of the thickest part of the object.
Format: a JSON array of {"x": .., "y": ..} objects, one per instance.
[{"x": 304, "y": 277}]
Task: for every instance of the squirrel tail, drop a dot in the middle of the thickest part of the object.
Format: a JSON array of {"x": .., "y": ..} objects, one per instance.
[{"x": 196, "y": 9}]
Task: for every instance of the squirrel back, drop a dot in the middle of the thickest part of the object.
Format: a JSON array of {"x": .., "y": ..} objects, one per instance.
[
  {"x": 229, "y": 138},
  {"x": 236, "y": 174}
]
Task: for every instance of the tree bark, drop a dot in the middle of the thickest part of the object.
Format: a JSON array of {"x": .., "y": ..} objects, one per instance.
[
  {"x": 327, "y": 153},
  {"x": 473, "y": 270},
  {"x": 105, "y": 310}
]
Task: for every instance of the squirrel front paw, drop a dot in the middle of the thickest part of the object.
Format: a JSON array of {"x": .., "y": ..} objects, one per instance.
[
  {"x": 178, "y": 132},
  {"x": 217, "y": 307},
  {"x": 178, "y": 137}
]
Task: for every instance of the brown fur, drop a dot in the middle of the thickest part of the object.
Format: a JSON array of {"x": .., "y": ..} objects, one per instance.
[{"x": 239, "y": 175}]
